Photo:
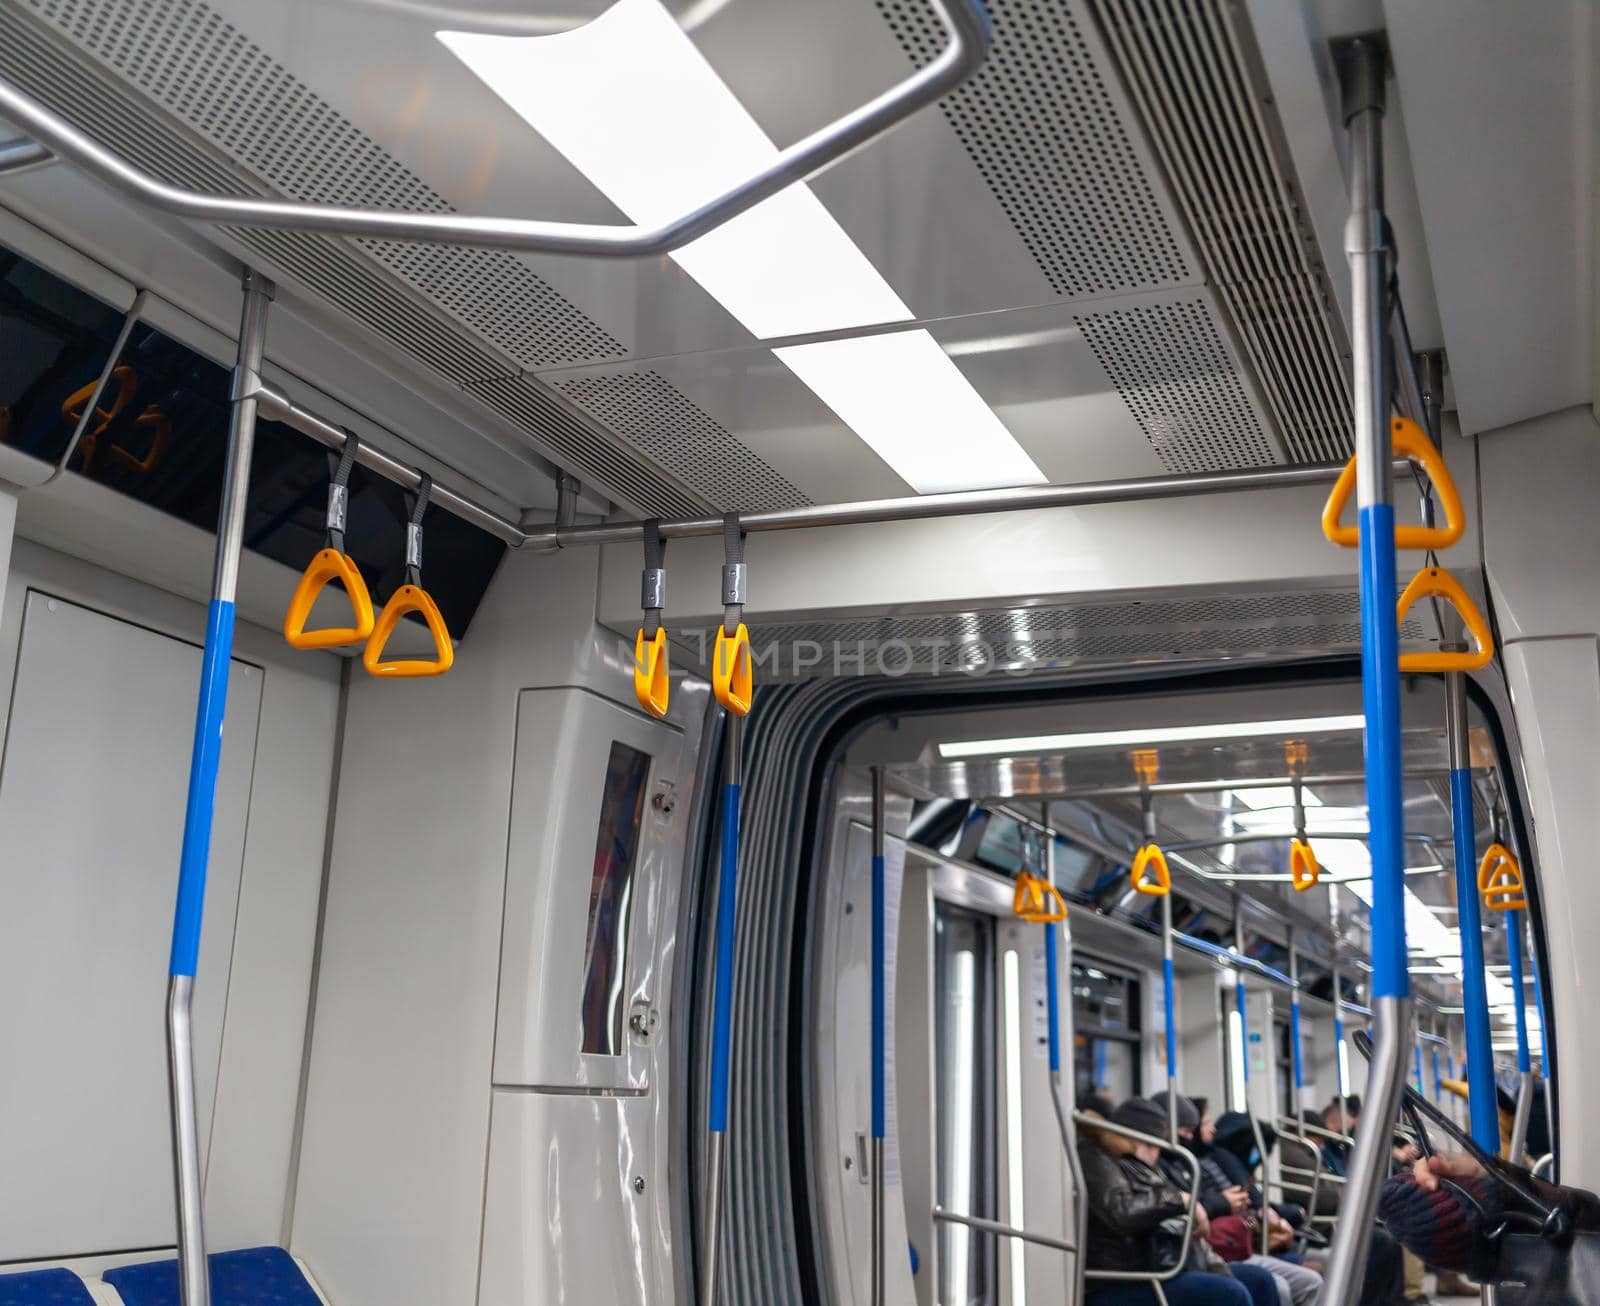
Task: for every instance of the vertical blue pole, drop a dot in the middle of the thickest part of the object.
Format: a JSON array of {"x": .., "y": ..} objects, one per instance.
[
  {"x": 1169, "y": 998},
  {"x": 1482, "y": 1110},
  {"x": 1417, "y": 1067},
  {"x": 1244, "y": 1033},
  {"x": 1052, "y": 998},
  {"x": 878, "y": 1087},
  {"x": 1435, "y": 1052},
  {"x": 1514, "y": 955},
  {"x": 880, "y": 1069}
]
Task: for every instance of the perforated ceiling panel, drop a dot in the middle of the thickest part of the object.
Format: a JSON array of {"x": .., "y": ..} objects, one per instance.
[
  {"x": 1284, "y": 624},
  {"x": 1040, "y": 124},
  {"x": 1176, "y": 376},
  {"x": 256, "y": 127},
  {"x": 682, "y": 437},
  {"x": 1187, "y": 65}
]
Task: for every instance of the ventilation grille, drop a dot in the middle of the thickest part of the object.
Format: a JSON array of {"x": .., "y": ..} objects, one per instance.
[
  {"x": 1179, "y": 382},
  {"x": 683, "y": 438},
  {"x": 1184, "y": 63},
  {"x": 195, "y": 65},
  {"x": 1274, "y": 625},
  {"x": 1048, "y": 138}
]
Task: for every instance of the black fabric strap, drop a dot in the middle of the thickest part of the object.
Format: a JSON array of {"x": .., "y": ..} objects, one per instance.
[
  {"x": 655, "y": 560},
  {"x": 419, "y": 506},
  {"x": 732, "y": 556},
  {"x": 339, "y": 491}
]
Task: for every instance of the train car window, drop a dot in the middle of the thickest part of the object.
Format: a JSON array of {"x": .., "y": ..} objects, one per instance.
[
  {"x": 964, "y": 1099},
  {"x": 159, "y": 436},
  {"x": 1106, "y": 1007},
  {"x": 616, "y": 849},
  {"x": 1001, "y": 846}
]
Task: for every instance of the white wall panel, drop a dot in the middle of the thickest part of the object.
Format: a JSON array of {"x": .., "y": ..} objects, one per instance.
[{"x": 91, "y": 819}]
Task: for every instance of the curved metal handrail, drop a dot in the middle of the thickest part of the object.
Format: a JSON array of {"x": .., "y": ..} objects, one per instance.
[
  {"x": 1122, "y": 1131},
  {"x": 969, "y": 37}
]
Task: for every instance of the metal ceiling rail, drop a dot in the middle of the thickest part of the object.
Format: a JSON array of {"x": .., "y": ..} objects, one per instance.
[
  {"x": 1207, "y": 786},
  {"x": 21, "y": 154},
  {"x": 969, "y": 37}
]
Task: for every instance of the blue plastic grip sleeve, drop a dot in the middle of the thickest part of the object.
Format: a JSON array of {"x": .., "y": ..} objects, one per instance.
[
  {"x": 1514, "y": 956},
  {"x": 1416, "y": 1063},
  {"x": 879, "y": 1070},
  {"x": 1436, "y": 1084},
  {"x": 1481, "y": 1104},
  {"x": 1294, "y": 1044},
  {"x": 1052, "y": 998},
  {"x": 1244, "y": 1031},
  {"x": 189, "y": 914},
  {"x": 1380, "y": 692},
  {"x": 722, "y": 1017},
  {"x": 1169, "y": 999}
]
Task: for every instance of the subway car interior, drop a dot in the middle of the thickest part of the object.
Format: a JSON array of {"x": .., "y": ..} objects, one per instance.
[{"x": 1058, "y": 773}]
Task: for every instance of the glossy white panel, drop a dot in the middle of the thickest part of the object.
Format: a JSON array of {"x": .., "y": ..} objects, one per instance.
[
  {"x": 570, "y": 1202},
  {"x": 92, "y": 793},
  {"x": 564, "y": 739},
  {"x": 1500, "y": 128}
]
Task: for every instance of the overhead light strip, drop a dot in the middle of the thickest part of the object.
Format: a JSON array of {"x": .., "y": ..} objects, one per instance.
[
  {"x": 1152, "y": 735},
  {"x": 629, "y": 100}
]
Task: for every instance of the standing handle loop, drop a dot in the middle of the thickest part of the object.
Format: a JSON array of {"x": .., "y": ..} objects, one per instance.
[
  {"x": 332, "y": 563},
  {"x": 1304, "y": 869},
  {"x": 1037, "y": 901},
  {"x": 1409, "y": 442},
  {"x": 1149, "y": 874},
  {"x": 651, "y": 685},
  {"x": 1500, "y": 880},
  {"x": 1436, "y": 582},
  {"x": 411, "y": 597},
  {"x": 732, "y": 670}
]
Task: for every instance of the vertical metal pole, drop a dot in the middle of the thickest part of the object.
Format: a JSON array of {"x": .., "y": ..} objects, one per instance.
[
  {"x": 1380, "y": 676},
  {"x": 1341, "y": 1088},
  {"x": 1294, "y": 1034},
  {"x": 1481, "y": 1097},
  {"x": 879, "y": 1069},
  {"x": 1544, "y": 1060},
  {"x": 1519, "y": 1127},
  {"x": 1064, "y": 1119},
  {"x": 722, "y": 1017},
  {"x": 1244, "y": 1060},
  {"x": 1168, "y": 985},
  {"x": 193, "y": 1276}
]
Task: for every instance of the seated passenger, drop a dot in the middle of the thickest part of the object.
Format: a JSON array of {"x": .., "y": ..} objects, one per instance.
[
  {"x": 1235, "y": 1228},
  {"x": 1137, "y": 1221}
]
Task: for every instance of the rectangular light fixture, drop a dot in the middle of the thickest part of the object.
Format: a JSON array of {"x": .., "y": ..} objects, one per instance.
[
  {"x": 1151, "y": 735},
  {"x": 635, "y": 107}
]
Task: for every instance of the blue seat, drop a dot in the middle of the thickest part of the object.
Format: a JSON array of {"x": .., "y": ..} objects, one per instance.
[
  {"x": 254, "y": 1276},
  {"x": 43, "y": 1288}
]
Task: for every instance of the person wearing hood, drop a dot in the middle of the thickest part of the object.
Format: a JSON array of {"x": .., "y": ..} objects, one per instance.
[
  {"x": 1227, "y": 1202},
  {"x": 1137, "y": 1219}
]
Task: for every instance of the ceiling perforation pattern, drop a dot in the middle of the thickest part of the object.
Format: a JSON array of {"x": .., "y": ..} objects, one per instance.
[
  {"x": 1041, "y": 127},
  {"x": 682, "y": 437},
  {"x": 1174, "y": 373},
  {"x": 191, "y": 62},
  {"x": 1185, "y": 65}
]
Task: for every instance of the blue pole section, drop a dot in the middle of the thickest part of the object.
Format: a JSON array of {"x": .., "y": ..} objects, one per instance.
[
  {"x": 1416, "y": 1050},
  {"x": 1514, "y": 955},
  {"x": 1169, "y": 998},
  {"x": 1481, "y": 1106},
  {"x": 1052, "y": 999},
  {"x": 722, "y": 1017},
  {"x": 1244, "y": 1033},
  {"x": 1380, "y": 691},
  {"x": 878, "y": 1075},
  {"x": 1435, "y": 1052},
  {"x": 205, "y": 759}
]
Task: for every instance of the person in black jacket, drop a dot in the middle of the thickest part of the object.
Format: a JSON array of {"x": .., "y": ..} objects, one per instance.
[{"x": 1137, "y": 1218}]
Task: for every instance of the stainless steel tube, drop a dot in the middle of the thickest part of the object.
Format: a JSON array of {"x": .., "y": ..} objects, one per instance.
[
  {"x": 22, "y": 155},
  {"x": 968, "y": 38},
  {"x": 942, "y": 1216},
  {"x": 194, "y": 1279},
  {"x": 1519, "y": 1121},
  {"x": 711, "y": 1244}
]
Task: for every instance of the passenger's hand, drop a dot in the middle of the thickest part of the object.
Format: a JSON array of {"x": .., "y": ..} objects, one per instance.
[
  {"x": 1202, "y": 1222},
  {"x": 1406, "y": 1153},
  {"x": 1449, "y": 1165},
  {"x": 1238, "y": 1199},
  {"x": 1276, "y": 1221}
]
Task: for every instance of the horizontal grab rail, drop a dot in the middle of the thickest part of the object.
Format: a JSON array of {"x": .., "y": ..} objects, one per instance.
[
  {"x": 942, "y": 1216},
  {"x": 1237, "y": 960},
  {"x": 1105, "y": 1126},
  {"x": 968, "y": 33}
]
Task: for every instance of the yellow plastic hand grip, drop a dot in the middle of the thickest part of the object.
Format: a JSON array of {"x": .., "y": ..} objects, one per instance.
[
  {"x": 126, "y": 381},
  {"x": 1500, "y": 880},
  {"x": 732, "y": 674},
  {"x": 1037, "y": 901},
  {"x": 650, "y": 684},
  {"x": 1409, "y": 442},
  {"x": 155, "y": 422},
  {"x": 1304, "y": 869},
  {"x": 409, "y": 598},
  {"x": 1436, "y": 582},
  {"x": 1149, "y": 872},
  {"x": 329, "y": 564}
]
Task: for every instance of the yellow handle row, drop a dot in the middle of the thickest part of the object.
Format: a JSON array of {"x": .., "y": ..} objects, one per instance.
[
  {"x": 732, "y": 671},
  {"x": 374, "y": 632}
]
